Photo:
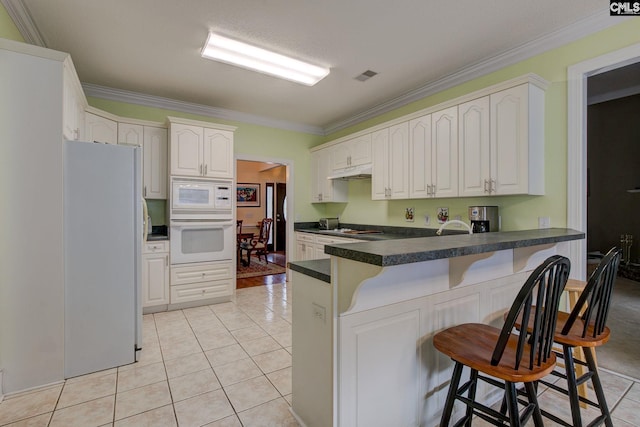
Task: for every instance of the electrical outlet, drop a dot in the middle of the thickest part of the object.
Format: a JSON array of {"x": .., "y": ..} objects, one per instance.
[
  {"x": 544, "y": 222},
  {"x": 319, "y": 312},
  {"x": 427, "y": 219}
]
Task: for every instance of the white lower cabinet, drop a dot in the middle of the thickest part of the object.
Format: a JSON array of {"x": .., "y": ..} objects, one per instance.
[
  {"x": 199, "y": 282},
  {"x": 311, "y": 246},
  {"x": 155, "y": 275}
]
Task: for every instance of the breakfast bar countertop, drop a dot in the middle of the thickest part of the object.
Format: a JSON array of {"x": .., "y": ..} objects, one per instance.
[{"x": 409, "y": 250}]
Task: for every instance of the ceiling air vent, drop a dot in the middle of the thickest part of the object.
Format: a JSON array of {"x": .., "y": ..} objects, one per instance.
[{"x": 365, "y": 76}]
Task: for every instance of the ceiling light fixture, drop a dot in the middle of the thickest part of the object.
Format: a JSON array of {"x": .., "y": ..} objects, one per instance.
[{"x": 233, "y": 52}]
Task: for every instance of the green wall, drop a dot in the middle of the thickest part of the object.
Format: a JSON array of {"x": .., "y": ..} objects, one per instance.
[
  {"x": 518, "y": 212},
  {"x": 8, "y": 29}
]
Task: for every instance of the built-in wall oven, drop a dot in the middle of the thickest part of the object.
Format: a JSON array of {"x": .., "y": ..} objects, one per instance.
[{"x": 201, "y": 221}]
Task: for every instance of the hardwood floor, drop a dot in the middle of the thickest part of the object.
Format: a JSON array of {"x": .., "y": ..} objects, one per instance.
[{"x": 276, "y": 258}]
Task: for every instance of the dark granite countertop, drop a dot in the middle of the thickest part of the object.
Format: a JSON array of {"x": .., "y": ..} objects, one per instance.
[
  {"x": 405, "y": 251},
  {"x": 387, "y": 232},
  {"x": 317, "y": 268}
]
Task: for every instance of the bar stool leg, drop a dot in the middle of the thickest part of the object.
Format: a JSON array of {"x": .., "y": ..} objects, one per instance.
[
  {"x": 511, "y": 395},
  {"x": 451, "y": 395},
  {"x": 597, "y": 386},
  {"x": 572, "y": 389}
]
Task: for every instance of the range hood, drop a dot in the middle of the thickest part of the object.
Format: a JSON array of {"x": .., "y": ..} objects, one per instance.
[{"x": 356, "y": 172}]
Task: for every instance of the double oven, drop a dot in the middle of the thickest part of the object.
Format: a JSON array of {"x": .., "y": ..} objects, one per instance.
[{"x": 201, "y": 220}]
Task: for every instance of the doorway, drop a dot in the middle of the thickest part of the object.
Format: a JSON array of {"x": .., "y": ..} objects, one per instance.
[
  {"x": 270, "y": 179},
  {"x": 577, "y": 77}
]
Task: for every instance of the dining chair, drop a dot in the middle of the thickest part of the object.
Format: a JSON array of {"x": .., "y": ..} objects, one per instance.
[
  {"x": 260, "y": 242},
  {"x": 503, "y": 357}
]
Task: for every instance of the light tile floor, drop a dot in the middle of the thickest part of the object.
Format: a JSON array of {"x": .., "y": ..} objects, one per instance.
[{"x": 224, "y": 365}]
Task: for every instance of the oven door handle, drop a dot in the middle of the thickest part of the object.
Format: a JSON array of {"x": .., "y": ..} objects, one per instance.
[{"x": 183, "y": 222}]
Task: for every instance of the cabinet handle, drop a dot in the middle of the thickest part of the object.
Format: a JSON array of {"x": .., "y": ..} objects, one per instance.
[
  {"x": 145, "y": 191},
  {"x": 166, "y": 261},
  {"x": 485, "y": 186},
  {"x": 205, "y": 170},
  {"x": 320, "y": 196},
  {"x": 492, "y": 186}
]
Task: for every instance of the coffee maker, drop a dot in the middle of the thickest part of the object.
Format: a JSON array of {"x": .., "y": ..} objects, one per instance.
[{"x": 484, "y": 218}]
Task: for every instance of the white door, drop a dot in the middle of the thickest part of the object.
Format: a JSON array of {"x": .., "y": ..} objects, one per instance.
[
  {"x": 380, "y": 165},
  {"x": 155, "y": 279},
  {"x": 444, "y": 140},
  {"x": 399, "y": 160},
  {"x": 130, "y": 134},
  {"x": 420, "y": 157},
  {"x": 101, "y": 129}
]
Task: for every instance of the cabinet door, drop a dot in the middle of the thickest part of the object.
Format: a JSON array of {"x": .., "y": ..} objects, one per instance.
[
  {"x": 399, "y": 160},
  {"x": 155, "y": 279},
  {"x": 509, "y": 140},
  {"x": 101, "y": 129},
  {"x": 73, "y": 106},
  {"x": 130, "y": 134},
  {"x": 317, "y": 168},
  {"x": 340, "y": 156},
  {"x": 186, "y": 150},
  {"x": 420, "y": 157},
  {"x": 473, "y": 134},
  {"x": 444, "y": 161},
  {"x": 155, "y": 163},
  {"x": 218, "y": 153},
  {"x": 380, "y": 165},
  {"x": 360, "y": 150}
]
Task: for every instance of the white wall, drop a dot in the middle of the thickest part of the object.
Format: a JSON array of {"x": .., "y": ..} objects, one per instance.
[{"x": 31, "y": 255}]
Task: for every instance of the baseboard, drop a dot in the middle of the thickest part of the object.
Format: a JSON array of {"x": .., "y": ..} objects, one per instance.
[
  {"x": 302, "y": 424},
  {"x": 1, "y": 392}
]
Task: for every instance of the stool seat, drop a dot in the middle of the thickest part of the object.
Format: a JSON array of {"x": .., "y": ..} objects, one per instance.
[
  {"x": 472, "y": 344},
  {"x": 574, "y": 337}
]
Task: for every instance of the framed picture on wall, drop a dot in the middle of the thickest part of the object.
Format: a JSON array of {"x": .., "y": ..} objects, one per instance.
[{"x": 248, "y": 195}]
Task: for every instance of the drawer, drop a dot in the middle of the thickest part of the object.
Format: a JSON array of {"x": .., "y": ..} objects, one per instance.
[
  {"x": 201, "y": 272},
  {"x": 155, "y": 247},
  {"x": 200, "y": 291},
  {"x": 305, "y": 237}
]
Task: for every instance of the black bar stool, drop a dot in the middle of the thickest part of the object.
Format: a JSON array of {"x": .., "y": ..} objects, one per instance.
[
  {"x": 585, "y": 327},
  {"x": 506, "y": 357}
]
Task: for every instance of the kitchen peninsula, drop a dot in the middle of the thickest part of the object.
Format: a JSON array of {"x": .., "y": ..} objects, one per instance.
[{"x": 363, "y": 321}]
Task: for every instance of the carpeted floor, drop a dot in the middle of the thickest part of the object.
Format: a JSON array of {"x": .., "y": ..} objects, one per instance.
[
  {"x": 622, "y": 353},
  {"x": 259, "y": 268}
]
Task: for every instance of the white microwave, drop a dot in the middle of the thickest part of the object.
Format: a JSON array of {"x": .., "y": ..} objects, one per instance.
[{"x": 201, "y": 199}]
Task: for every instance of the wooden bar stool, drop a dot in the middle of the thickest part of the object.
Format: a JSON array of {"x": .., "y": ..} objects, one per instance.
[
  {"x": 585, "y": 328},
  {"x": 574, "y": 289},
  {"x": 506, "y": 357}
]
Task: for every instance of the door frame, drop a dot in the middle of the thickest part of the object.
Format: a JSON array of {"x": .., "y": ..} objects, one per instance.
[
  {"x": 577, "y": 76},
  {"x": 288, "y": 163}
]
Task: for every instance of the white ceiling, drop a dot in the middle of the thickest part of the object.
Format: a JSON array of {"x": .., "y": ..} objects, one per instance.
[{"x": 152, "y": 47}]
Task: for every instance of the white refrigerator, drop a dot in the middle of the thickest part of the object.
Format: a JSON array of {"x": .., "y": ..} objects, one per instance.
[{"x": 102, "y": 256}]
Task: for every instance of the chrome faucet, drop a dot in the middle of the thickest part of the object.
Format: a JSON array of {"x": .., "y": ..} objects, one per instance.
[{"x": 453, "y": 221}]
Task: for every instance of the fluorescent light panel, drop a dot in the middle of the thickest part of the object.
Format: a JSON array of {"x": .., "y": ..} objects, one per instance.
[{"x": 254, "y": 58}]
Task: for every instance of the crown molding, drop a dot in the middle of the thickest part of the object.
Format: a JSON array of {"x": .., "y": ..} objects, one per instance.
[
  {"x": 21, "y": 17},
  {"x": 579, "y": 29},
  {"x": 592, "y": 24},
  {"x": 188, "y": 107}
]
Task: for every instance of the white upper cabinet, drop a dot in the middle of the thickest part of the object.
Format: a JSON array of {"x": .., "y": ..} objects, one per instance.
[
  {"x": 433, "y": 155},
  {"x": 218, "y": 153},
  {"x": 475, "y": 160},
  {"x": 390, "y": 165},
  {"x": 517, "y": 140},
  {"x": 100, "y": 129},
  {"x": 186, "y": 150},
  {"x": 74, "y": 103},
  {"x": 201, "y": 151},
  {"x": 353, "y": 152},
  {"x": 502, "y": 143},
  {"x": 130, "y": 134},
  {"x": 323, "y": 189},
  {"x": 154, "y": 171}
]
